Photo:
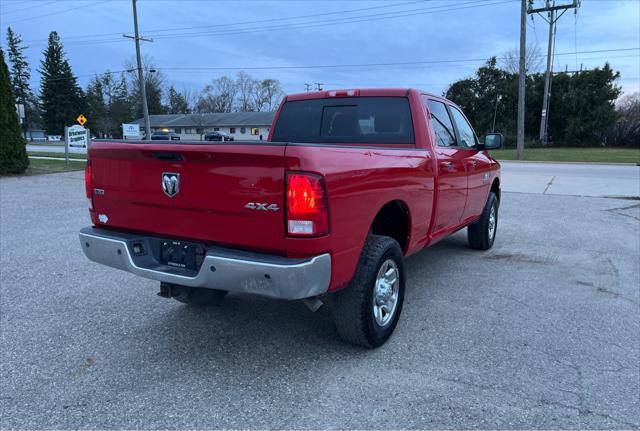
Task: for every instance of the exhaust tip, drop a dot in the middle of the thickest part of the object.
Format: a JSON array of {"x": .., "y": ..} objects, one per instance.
[{"x": 314, "y": 304}]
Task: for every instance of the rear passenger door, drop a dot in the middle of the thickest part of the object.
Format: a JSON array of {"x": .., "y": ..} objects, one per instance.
[
  {"x": 452, "y": 173},
  {"x": 477, "y": 163}
]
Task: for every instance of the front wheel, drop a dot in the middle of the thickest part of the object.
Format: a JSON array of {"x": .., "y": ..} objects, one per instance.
[
  {"x": 367, "y": 311},
  {"x": 482, "y": 233}
]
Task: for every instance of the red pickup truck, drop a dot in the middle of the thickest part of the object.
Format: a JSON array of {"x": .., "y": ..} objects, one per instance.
[{"x": 348, "y": 184}]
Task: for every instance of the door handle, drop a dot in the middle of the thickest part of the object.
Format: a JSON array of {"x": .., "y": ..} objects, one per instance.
[{"x": 473, "y": 163}]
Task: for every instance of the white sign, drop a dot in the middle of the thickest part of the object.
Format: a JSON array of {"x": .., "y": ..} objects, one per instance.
[
  {"x": 77, "y": 139},
  {"x": 131, "y": 130}
]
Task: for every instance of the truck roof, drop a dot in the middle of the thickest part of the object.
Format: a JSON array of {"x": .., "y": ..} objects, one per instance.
[{"x": 360, "y": 92}]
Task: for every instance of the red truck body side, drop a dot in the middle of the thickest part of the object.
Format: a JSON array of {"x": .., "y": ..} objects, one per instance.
[{"x": 441, "y": 189}]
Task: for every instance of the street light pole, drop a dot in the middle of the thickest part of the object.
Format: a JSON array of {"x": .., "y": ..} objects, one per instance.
[{"x": 495, "y": 113}]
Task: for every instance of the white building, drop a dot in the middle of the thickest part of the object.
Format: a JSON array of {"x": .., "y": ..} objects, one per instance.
[{"x": 241, "y": 125}]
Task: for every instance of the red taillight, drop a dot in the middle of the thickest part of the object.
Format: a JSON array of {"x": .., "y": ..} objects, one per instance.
[
  {"x": 306, "y": 205},
  {"x": 88, "y": 183}
]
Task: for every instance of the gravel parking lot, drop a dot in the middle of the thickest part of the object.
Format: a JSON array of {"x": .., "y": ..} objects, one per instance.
[{"x": 542, "y": 331}]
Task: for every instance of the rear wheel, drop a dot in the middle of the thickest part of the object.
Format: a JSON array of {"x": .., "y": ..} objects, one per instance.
[
  {"x": 367, "y": 311},
  {"x": 482, "y": 233}
]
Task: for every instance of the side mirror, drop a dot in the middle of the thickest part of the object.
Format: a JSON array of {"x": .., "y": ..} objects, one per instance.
[{"x": 493, "y": 141}]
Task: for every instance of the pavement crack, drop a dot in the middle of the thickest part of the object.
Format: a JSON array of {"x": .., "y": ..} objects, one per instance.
[
  {"x": 516, "y": 300},
  {"x": 580, "y": 409},
  {"x": 549, "y": 184},
  {"x": 618, "y": 211}
]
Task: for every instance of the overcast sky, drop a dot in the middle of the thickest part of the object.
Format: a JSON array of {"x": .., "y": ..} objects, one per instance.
[{"x": 450, "y": 37}]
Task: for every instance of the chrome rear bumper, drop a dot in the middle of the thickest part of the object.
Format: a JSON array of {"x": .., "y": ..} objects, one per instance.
[{"x": 222, "y": 268}]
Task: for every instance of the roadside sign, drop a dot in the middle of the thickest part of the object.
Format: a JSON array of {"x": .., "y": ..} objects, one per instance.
[
  {"x": 81, "y": 119},
  {"x": 130, "y": 130},
  {"x": 76, "y": 139}
]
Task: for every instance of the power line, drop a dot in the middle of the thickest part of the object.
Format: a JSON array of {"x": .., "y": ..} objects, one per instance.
[
  {"x": 314, "y": 24},
  {"x": 54, "y": 13},
  {"x": 246, "y": 22},
  {"x": 402, "y": 63},
  {"x": 357, "y": 65},
  {"x": 5, "y": 12},
  {"x": 343, "y": 20}
]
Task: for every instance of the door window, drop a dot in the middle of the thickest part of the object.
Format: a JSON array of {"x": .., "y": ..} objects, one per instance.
[
  {"x": 441, "y": 123},
  {"x": 467, "y": 137}
]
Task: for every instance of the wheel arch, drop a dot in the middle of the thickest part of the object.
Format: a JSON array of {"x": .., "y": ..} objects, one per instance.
[
  {"x": 495, "y": 188},
  {"x": 393, "y": 219}
]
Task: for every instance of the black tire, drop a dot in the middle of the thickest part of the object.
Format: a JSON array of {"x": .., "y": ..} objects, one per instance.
[
  {"x": 353, "y": 306},
  {"x": 199, "y": 297},
  {"x": 479, "y": 233}
]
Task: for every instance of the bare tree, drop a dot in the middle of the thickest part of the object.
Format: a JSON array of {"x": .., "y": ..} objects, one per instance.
[
  {"x": 626, "y": 131},
  {"x": 510, "y": 60},
  {"x": 219, "y": 96},
  {"x": 267, "y": 94},
  {"x": 199, "y": 122},
  {"x": 246, "y": 86}
]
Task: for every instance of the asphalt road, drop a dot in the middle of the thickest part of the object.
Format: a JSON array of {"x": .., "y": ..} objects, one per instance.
[{"x": 542, "y": 331}]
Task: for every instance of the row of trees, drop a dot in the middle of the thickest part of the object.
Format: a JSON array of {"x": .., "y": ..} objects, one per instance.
[
  {"x": 582, "y": 107},
  {"x": 111, "y": 99}
]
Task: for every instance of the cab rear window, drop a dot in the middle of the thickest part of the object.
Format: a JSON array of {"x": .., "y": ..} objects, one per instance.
[{"x": 377, "y": 120}]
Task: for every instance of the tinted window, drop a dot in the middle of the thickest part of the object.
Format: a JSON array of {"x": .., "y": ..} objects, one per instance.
[
  {"x": 467, "y": 137},
  {"x": 441, "y": 123},
  {"x": 377, "y": 120}
]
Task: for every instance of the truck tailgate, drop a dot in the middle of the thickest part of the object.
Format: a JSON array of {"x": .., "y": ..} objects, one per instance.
[{"x": 209, "y": 203}]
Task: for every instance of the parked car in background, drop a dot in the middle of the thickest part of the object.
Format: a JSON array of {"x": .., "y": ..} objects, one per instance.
[
  {"x": 348, "y": 184},
  {"x": 217, "y": 136},
  {"x": 165, "y": 136}
]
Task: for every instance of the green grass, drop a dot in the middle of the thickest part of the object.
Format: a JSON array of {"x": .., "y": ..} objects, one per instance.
[
  {"x": 39, "y": 166},
  {"x": 45, "y": 154},
  {"x": 603, "y": 155}
]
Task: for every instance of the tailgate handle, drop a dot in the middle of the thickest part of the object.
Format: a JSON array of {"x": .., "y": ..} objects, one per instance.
[{"x": 168, "y": 156}]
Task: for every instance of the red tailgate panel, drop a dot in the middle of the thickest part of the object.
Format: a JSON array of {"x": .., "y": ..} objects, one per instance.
[{"x": 216, "y": 182}]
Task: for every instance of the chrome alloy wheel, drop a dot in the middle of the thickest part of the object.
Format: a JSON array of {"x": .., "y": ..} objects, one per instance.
[
  {"x": 385, "y": 292},
  {"x": 492, "y": 222}
]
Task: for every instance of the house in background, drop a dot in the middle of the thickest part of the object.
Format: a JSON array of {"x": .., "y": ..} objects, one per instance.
[{"x": 241, "y": 125}]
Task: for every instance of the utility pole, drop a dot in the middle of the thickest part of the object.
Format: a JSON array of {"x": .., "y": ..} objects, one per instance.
[
  {"x": 318, "y": 86},
  {"x": 307, "y": 87},
  {"x": 522, "y": 79},
  {"x": 143, "y": 90},
  {"x": 553, "y": 17}
]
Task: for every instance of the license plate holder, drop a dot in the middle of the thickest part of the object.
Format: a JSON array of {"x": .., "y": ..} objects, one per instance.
[{"x": 181, "y": 254}]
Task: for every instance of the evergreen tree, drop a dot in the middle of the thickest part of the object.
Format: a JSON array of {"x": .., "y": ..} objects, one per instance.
[
  {"x": 119, "y": 109},
  {"x": 20, "y": 76},
  {"x": 13, "y": 152},
  {"x": 96, "y": 108},
  {"x": 60, "y": 96},
  {"x": 582, "y": 104},
  {"x": 177, "y": 102},
  {"x": 154, "y": 82}
]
